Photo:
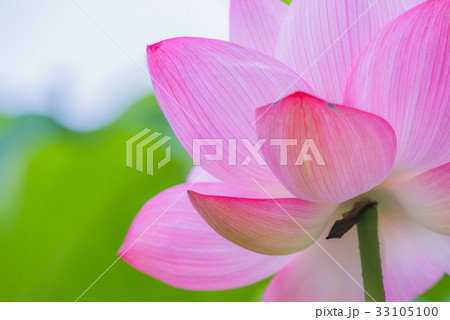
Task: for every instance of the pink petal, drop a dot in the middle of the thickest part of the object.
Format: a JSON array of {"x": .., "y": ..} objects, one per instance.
[
  {"x": 404, "y": 76},
  {"x": 256, "y": 24},
  {"x": 314, "y": 276},
  {"x": 198, "y": 174},
  {"x": 357, "y": 148},
  {"x": 322, "y": 40},
  {"x": 180, "y": 248},
  {"x": 412, "y": 244},
  {"x": 211, "y": 91},
  {"x": 407, "y": 271},
  {"x": 267, "y": 226},
  {"x": 434, "y": 246},
  {"x": 426, "y": 198}
]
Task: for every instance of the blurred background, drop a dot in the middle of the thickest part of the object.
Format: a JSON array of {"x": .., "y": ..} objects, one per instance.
[{"x": 73, "y": 88}]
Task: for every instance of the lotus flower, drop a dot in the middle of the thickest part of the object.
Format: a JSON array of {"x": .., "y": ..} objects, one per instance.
[{"x": 369, "y": 84}]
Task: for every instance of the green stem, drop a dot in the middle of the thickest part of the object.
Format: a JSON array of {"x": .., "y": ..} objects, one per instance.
[{"x": 369, "y": 250}]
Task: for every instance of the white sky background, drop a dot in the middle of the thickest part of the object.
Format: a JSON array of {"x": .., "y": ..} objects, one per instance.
[{"x": 55, "y": 60}]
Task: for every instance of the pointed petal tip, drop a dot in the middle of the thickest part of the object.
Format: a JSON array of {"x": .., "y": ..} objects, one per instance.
[
  {"x": 192, "y": 195},
  {"x": 121, "y": 252},
  {"x": 260, "y": 111},
  {"x": 297, "y": 95},
  {"x": 152, "y": 48},
  {"x": 177, "y": 40},
  {"x": 300, "y": 95},
  {"x": 124, "y": 247}
]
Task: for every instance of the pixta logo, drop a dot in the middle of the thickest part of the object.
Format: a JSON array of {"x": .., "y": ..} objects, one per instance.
[
  {"x": 289, "y": 151},
  {"x": 142, "y": 146}
]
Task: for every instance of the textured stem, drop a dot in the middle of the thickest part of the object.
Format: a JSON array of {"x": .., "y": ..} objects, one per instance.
[{"x": 369, "y": 250}]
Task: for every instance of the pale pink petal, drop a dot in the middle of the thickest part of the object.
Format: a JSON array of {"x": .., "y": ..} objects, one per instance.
[
  {"x": 340, "y": 152},
  {"x": 404, "y": 76},
  {"x": 256, "y": 24},
  {"x": 314, "y": 276},
  {"x": 209, "y": 89},
  {"x": 426, "y": 198},
  {"x": 322, "y": 40},
  {"x": 417, "y": 248},
  {"x": 407, "y": 271},
  {"x": 198, "y": 174},
  {"x": 178, "y": 247},
  {"x": 268, "y": 226},
  {"x": 436, "y": 247},
  {"x": 409, "y": 4}
]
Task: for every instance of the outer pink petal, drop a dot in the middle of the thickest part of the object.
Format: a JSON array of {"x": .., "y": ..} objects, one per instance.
[
  {"x": 256, "y": 24},
  {"x": 209, "y": 89},
  {"x": 357, "y": 148},
  {"x": 404, "y": 76},
  {"x": 180, "y": 248},
  {"x": 322, "y": 40},
  {"x": 314, "y": 276},
  {"x": 426, "y": 198},
  {"x": 268, "y": 226}
]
